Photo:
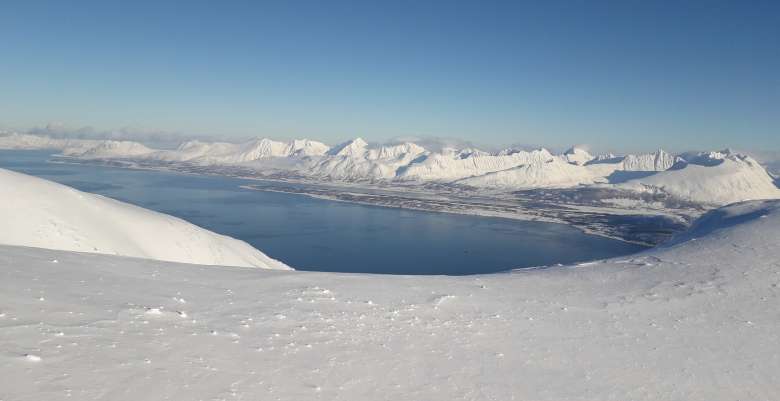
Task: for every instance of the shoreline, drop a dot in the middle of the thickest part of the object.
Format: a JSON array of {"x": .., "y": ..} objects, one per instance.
[
  {"x": 591, "y": 220},
  {"x": 464, "y": 212}
]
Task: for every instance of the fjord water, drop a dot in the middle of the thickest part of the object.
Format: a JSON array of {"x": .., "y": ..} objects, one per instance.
[{"x": 322, "y": 235}]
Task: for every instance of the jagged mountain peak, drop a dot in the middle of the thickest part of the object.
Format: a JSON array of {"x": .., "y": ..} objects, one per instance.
[
  {"x": 577, "y": 155},
  {"x": 353, "y": 147}
]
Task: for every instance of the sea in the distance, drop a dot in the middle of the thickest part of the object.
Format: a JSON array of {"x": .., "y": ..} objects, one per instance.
[{"x": 323, "y": 235}]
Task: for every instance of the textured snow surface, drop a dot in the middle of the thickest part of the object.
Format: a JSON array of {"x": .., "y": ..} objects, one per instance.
[
  {"x": 40, "y": 213},
  {"x": 551, "y": 173},
  {"x": 697, "y": 320},
  {"x": 446, "y": 168},
  {"x": 658, "y": 161}
]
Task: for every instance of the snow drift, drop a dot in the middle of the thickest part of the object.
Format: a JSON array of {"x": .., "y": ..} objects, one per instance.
[{"x": 40, "y": 213}]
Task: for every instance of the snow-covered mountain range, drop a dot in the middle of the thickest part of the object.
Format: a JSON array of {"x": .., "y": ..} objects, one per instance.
[
  {"x": 40, "y": 213},
  {"x": 712, "y": 178}
]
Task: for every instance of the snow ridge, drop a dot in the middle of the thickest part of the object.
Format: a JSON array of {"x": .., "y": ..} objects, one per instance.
[
  {"x": 715, "y": 179},
  {"x": 551, "y": 173},
  {"x": 658, "y": 161}
]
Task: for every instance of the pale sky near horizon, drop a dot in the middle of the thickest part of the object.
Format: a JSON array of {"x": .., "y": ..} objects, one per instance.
[{"x": 612, "y": 74}]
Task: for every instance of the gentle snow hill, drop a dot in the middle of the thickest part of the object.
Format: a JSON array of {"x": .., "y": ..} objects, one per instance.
[
  {"x": 83, "y": 148},
  {"x": 44, "y": 214},
  {"x": 718, "y": 179},
  {"x": 107, "y": 149},
  {"x": 193, "y": 150},
  {"x": 695, "y": 320}
]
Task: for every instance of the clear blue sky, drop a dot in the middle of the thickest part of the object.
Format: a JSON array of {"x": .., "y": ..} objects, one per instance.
[{"x": 615, "y": 74}]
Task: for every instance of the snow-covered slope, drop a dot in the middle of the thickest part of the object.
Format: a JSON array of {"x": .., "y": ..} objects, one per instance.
[
  {"x": 228, "y": 153},
  {"x": 354, "y": 160},
  {"x": 40, "y": 213},
  {"x": 463, "y": 153},
  {"x": 262, "y": 148},
  {"x": 697, "y": 320},
  {"x": 353, "y": 148},
  {"x": 658, "y": 161},
  {"x": 717, "y": 178},
  {"x": 576, "y": 155},
  {"x": 85, "y": 148},
  {"x": 107, "y": 149},
  {"x": 446, "y": 168},
  {"x": 551, "y": 173},
  {"x": 195, "y": 149}
]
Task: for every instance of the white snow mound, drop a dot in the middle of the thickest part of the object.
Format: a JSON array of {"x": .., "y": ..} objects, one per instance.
[
  {"x": 40, "y": 213},
  {"x": 718, "y": 180},
  {"x": 106, "y": 149}
]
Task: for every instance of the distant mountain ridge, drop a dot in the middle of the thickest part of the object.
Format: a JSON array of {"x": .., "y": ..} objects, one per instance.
[{"x": 710, "y": 177}]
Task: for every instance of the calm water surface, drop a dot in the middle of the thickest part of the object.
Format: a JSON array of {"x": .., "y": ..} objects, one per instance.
[{"x": 316, "y": 234}]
